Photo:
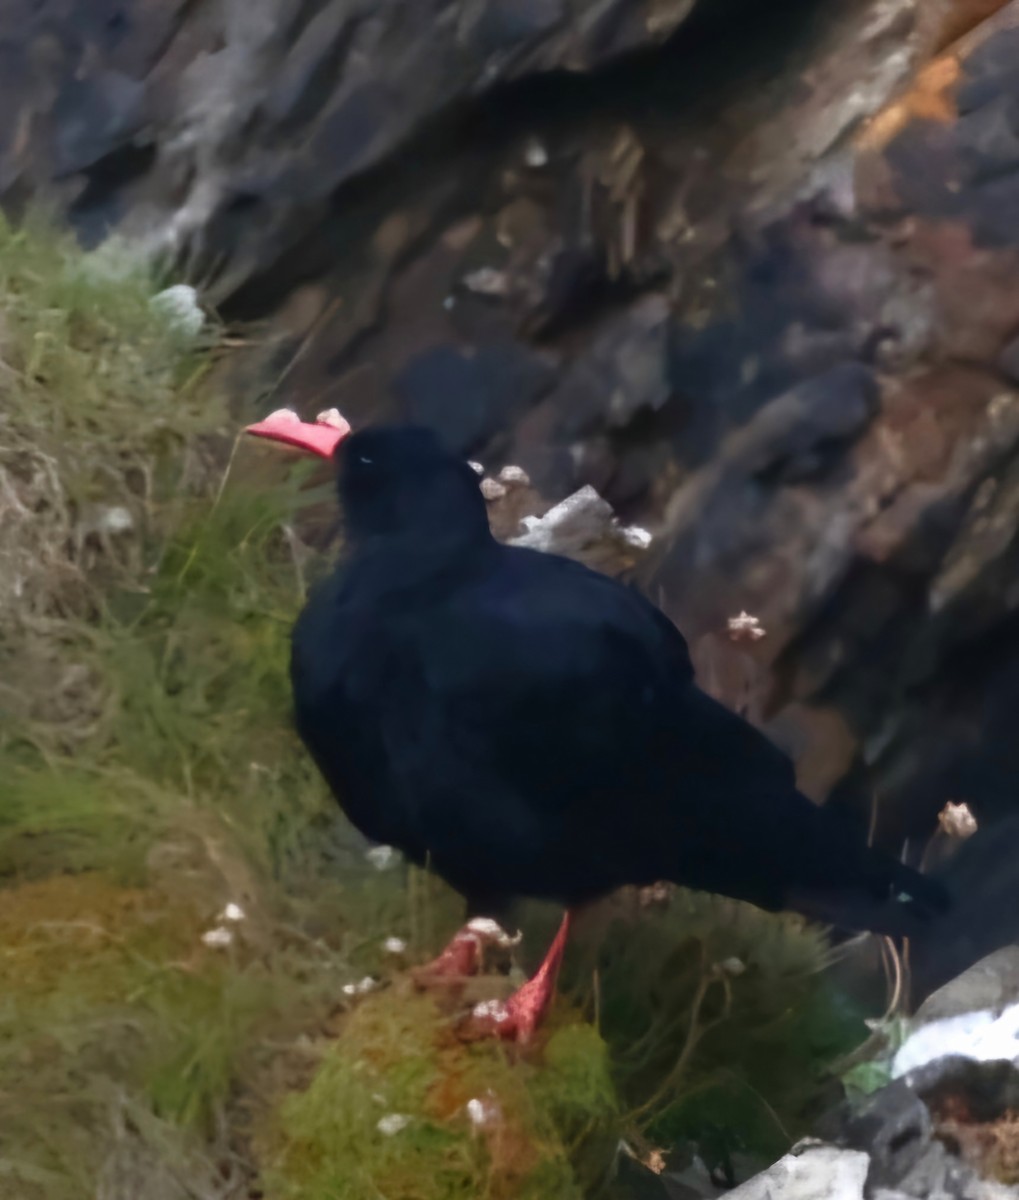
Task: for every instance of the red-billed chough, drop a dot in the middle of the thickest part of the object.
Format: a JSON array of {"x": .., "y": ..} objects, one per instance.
[{"x": 528, "y": 727}]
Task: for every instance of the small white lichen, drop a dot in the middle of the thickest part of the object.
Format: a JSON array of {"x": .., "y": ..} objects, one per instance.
[
  {"x": 232, "y": 912},
  {"x": 394, "y": 945}
]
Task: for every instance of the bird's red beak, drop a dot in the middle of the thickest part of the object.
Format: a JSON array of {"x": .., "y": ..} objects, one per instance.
[{"x": 320, "y": 436}]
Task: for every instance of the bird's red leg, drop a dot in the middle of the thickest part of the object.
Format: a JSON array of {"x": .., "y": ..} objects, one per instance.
[
  {"x": 518, "y": 1017},
  {"x": 465, "y": 953}
]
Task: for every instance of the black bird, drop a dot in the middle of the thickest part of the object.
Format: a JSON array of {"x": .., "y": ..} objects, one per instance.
[{"x": 530, "y": 728}]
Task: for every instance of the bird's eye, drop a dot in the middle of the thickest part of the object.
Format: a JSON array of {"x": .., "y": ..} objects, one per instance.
[{"x": 365, "y": 459}]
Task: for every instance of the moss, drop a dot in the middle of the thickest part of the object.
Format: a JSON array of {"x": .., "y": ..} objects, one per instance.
[{"x": 396, "y": 1061}]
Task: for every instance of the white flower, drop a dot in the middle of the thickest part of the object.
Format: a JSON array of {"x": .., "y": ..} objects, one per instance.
[
  {"x": 483, "y": 1111},
  {"x": 392, "y": 1123},
  {"x": 368, "y": 984},
  {"x": 381, "y": 857},
  {"x": 495, "y": 1010},
  {"x": 957, "y": 820},
  {"x": 492, "y": 489},
  {"x": 487, "y": 281},
  {"x": 232, "y": 912},
  {"x": 535, "y": 154},
  {"x": 218, "y": 938},
  {"x": 745, "y": 628},
  {"x": 637, "y": 537},
  {"x": 394, "y": 945}
]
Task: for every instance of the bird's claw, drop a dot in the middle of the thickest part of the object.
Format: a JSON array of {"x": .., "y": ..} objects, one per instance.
[
  {"x": 466, "y": 953},
  {"x": 517, "y": 1018}
]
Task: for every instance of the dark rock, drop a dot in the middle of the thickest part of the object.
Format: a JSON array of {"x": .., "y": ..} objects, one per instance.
[
  {"x": 94, "y": 119},
  {"x": 1008, "y": 362},
  {"x": 624, "y": 372},
  {"x": 992, "y": 983},
  {"x": 983, "y": 1091},
  {"x": 895, "y": 1128},
  {"x": 469, "y": 395}
]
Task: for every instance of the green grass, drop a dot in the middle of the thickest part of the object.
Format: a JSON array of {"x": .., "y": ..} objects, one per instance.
[
  {"x": 150, "y": 776},
  {"x": 148, "y": 580}
]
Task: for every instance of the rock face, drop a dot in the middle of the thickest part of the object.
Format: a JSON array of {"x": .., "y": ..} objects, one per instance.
[
  {"x": 946, "y": 1126},
  {"x": 810, "y": 1173},
  {"x": 225, "y": 128},
  {"x": 749, "y": 271}
]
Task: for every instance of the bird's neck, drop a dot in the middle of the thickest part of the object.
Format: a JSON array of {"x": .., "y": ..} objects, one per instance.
[{"x": 406, "y": 562}]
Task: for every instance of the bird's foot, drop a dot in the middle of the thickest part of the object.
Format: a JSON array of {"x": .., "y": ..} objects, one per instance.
[
  {"x": 467, "y": 952},
  {"x": 513, "y": 1020},
  {"x": 517, "y": 1018}
]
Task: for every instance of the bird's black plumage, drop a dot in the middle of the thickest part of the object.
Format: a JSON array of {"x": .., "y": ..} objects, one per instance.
[{"x": 532, "y": 728}]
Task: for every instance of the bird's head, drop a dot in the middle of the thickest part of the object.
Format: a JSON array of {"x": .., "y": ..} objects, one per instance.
[{"x": 394, "y": 482}]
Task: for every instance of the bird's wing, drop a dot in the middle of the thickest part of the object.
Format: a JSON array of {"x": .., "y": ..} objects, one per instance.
[{"x": 548, "y": 734}]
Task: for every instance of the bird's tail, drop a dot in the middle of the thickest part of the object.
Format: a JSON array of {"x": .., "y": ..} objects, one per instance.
[
  {"x": 981, "y": 880},
  {"x": 896, "y": 901},
  {"x": 856, "y": 888},
  {"x": 964, "y": 910}
]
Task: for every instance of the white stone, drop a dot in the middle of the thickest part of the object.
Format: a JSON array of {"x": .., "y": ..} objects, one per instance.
[
  {"x": 983, "y": 1036},
  {"x": 813, "y": 1172}
]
